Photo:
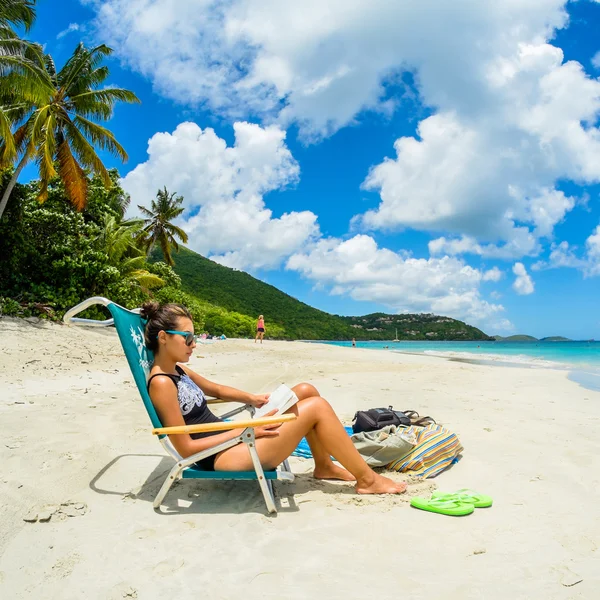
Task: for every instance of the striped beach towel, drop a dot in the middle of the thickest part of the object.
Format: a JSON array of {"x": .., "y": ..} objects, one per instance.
[{"x": 437, "y": 449}]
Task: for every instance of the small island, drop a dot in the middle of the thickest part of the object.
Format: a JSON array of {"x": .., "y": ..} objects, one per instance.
[{"x": 530, "y": 338}]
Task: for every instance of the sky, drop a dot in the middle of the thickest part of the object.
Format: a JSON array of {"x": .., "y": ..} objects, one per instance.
[{"x": 369, "y": 155}]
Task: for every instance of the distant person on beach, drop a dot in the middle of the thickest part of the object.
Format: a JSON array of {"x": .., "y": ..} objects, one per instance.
[
  {"x": 260, "y": 329},
  {"x": 353, "y": 343},
  {"x": 178, "y": 395}
]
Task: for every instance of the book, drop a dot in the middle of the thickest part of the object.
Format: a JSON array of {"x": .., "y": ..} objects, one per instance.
[{"x": 281, "y": 399}]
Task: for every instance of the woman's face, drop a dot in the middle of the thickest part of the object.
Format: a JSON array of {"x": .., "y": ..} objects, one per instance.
[{"x": 175, "y": 344}]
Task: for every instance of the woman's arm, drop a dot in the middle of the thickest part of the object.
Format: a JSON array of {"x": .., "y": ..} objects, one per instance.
[
  {"x": 225, "y": 392},
  {"x": 164, "y": 399}
]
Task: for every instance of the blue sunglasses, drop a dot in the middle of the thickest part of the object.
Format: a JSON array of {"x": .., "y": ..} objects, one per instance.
[{"x": 189, "y": 336}]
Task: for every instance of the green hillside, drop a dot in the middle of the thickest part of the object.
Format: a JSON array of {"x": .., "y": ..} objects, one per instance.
[
  {"x": 555, "y": 338},
  {"x": 237, "y": 291},
  {"x": 515, "y": 338},
  {"x": 380, "y": 326}
]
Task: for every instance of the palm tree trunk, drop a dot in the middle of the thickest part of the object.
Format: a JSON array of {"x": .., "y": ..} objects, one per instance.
[{"x": 11, "y": 184}]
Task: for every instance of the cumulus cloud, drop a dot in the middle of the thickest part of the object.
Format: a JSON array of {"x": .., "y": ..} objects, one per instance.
[
  {"x": 564, "y": 255},
  {"x": 507, "y": 124},
  {"x": 596, "y": 60},
  {"x": 223, "y": 189},
  {"x": 359, "y": 268},
  {"x": 317, "y": 63},
  {"x": 493, "y": 274},
  {"x": 523, "y": 284},
  {"x": 592, "y": 245}
]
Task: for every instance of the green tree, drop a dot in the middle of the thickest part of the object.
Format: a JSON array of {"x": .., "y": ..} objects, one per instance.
[
  {"x": 60, "y": 130},
  {"x": 22, "y": 74},
  {"x": 158, "y": 228},
  {"x": 117, "y": 240}
]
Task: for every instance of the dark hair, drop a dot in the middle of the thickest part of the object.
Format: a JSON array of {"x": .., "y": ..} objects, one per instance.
[{"x": 159, "y": 318}]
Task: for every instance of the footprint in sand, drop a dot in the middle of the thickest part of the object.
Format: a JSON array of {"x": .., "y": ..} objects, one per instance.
[
  {"x": 64, "y": 566},
  {"x": 142, "y": 534},
  {"x": 123, "y": 590},
  {"x": 167, "y": 567},
  {"x": 59, "y": 512}
]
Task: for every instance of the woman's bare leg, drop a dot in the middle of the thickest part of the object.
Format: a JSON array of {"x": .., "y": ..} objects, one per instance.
[
  {"x": 325, "y": 468},
  {"x": 312, "y": 413}
]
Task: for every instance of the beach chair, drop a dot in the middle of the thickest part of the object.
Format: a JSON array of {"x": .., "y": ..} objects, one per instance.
[{"x": 130, "y": 328}]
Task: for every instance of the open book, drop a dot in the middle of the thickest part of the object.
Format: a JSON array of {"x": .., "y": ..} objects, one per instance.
[{"x": 281, "y": 399}]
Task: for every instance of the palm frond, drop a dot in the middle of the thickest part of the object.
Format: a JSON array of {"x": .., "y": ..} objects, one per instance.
[
  {"x": 100, "y": 136},
  {"x": 72, "y": 175},
  {"x": 17, "y": 12},
  {"x": 85, "y": 151}
]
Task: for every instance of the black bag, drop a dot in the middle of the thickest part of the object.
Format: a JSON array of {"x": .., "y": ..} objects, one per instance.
[{"x": 378, "y": 418}]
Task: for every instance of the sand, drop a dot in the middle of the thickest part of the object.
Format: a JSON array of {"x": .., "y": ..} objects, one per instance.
[{"x": 79, "y": 461}]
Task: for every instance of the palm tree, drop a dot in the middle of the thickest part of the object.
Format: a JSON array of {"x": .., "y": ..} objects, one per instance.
[
  {"x": 17, "y": 12},
  {"x": 62, "y": 127},
  {"x": 158, "y": 228},
  {"x": 117, "y": 240},
  {"x": 22, "y": 72}
]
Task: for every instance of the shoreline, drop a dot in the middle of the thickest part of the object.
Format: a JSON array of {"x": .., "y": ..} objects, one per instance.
[{"x": 77, "y": 435}]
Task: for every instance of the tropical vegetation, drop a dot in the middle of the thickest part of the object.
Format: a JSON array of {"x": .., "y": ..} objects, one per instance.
[
  {"x": 55, "y": 122},
  {"x": 158, "y": 228}
]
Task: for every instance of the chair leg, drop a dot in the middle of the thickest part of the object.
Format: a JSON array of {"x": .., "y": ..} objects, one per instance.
[
  {"x": 286, "y": 466},
  {"x": 166, "y": 486},
  {"x": 266, "y": 490}
]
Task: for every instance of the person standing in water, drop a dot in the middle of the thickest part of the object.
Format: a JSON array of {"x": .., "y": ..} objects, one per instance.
[
  {"x": 260, "y": 329},
  {"x": 353, "y": 343}
]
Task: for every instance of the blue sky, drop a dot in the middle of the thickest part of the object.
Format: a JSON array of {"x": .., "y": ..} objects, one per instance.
[{"x": 370, "y": 156}]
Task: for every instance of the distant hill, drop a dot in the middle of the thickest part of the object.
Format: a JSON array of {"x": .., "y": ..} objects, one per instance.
[
  {"x": 515, "y": 338},
  {"x": 238, "y": 291},
  {"x": 530, "y": 338},
  {"x": 380, "y": 326}
]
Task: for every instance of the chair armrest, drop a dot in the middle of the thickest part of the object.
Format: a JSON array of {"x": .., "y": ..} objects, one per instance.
[
  {"x": 217, "y": 401},
  {"x": 224, "y": 426}
]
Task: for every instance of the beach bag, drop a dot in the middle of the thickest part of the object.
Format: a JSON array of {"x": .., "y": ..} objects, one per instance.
[
  {"x": 383, "y": 446},
  {"x": 378, "y": 418},
  {"x": 437, "y": 449}
]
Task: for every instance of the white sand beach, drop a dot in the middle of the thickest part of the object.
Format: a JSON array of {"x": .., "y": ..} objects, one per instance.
[{"x": 77, "y": 453}]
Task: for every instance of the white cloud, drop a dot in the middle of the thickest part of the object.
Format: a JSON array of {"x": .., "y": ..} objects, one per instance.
[
  {"x": 359, "y": 268},
  {"x": 318, "y": 63},
  {"x": 596, "y": 60},
  {"x": 523, "y": 284},
  {"x": 592, "y": 245},
  {"x": 493, "y": 274},
  {"x": 561, "y": 255},
  {"x": 223, "y": 187},
  {"x": 70, "y": 29},
  {"x": 564, "y": 255}
]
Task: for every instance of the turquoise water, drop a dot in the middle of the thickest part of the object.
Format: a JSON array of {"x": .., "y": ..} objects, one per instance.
[{"x": 582, "y": 359}]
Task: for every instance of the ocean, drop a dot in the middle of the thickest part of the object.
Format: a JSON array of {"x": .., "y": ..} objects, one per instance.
[{"x": 581, "y": 359}]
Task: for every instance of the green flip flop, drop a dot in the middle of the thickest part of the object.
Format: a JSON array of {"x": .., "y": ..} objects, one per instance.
[
  {"x": 465, "y": 495},
  {"x": 453, "y": 507}
]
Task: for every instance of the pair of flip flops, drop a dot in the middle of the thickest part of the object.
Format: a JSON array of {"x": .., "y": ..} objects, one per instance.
[
  {"x": 456, "y": 504},
  {"x": 416, "y": 419}
]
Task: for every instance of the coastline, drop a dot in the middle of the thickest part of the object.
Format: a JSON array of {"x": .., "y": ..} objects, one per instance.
[{"x": 77, "y": 433}]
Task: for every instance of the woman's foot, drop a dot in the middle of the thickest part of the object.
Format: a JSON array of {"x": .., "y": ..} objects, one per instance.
[
  {"x": 332, "y": 471},
  {"x": 378, "y": 484}
]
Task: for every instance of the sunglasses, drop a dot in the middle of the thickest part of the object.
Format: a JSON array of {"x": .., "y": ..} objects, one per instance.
[{"x": 189, "y": 336}]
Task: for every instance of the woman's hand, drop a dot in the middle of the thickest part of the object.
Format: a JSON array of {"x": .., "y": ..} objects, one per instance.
[
  {"x": 267, "y": 430},
  {"x": 259, "y": 400}
]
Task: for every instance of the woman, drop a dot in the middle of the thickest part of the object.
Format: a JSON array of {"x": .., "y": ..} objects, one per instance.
[
  {"x": 260, "y": 329},
  {"x": 178, "y": 397}
]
